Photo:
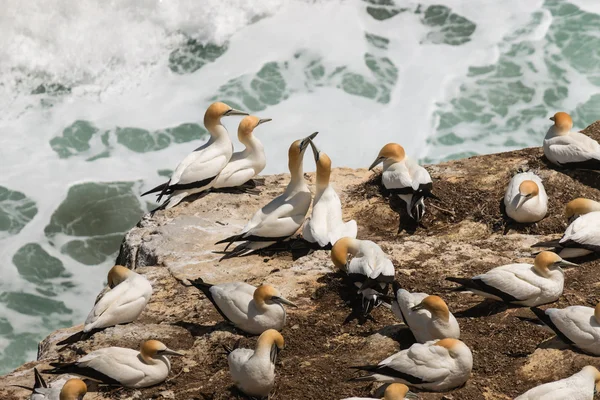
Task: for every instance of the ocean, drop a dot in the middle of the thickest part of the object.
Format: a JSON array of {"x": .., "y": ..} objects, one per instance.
[{"x": 100, "y": 100}]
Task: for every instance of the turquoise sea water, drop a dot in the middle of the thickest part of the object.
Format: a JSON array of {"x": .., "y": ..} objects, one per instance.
[{"x": 100, "y": 100}]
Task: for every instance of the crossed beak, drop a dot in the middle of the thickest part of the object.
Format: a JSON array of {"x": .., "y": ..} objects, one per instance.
[
  {"x": 306, "y": 141},
  {"x": 262, "y": 121},
  {"x": 169, "y": 352},
  {"x": 283, "y": 300},
  {"x": 233, "y": 111},
  {"x": 315, "y": 151},
  {"x": 375, "y": 163}
]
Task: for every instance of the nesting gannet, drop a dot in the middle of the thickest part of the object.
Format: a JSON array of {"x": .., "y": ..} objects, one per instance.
[
  {"x": 395, "y": 391},
  {"x": 581, "y": 386},
  {"x": 578, "y": 326},
  {"x": 404, "y": 177},
  {"x": 282, "y": 217},
  {"x": 521, "y": 284},
  {"x": 244, "y": 165},
  {"x": 121, "y": 366},
  {"x": 325, "y": 225},
  {"x": 251, "y": 309},
  {"x": 435, "y": 365},
  {"x": 370, "y": 269},
  {"x": 199, "y": 169},
  {"x": 570, "y": 149},
  {"x": 72, "y": 389},
  {"x": 253, "y": 371},
  {"x": 525, "y": 199},
  {"x": 582, "y": 236},
  {"x": 427, "y": 316}
]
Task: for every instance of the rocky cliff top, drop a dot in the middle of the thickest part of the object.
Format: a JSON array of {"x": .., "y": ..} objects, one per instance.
[{"x": 462, "y": 235}]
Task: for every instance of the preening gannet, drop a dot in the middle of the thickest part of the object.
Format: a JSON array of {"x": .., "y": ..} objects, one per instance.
[
  {"x": 244, "y": 165},
  {"x": 435, "y": 365},
  {"x": 282, "y": 217},
  {"x": 370, "y": 269},
  {"x": 582, "y": 236},
  {"x": 325, "y": 225},
  {"x": 404, "y": 177},
  {"x": 570, "y": 149},
  {"x": 73, "y": 389},
  {"x": 121, "y": 366},
  {"x": 580, "y": 386},
  {"x": 525, "y": 199},
  {"x": 578, "y": 326},
  {"x": 427, "y": 316},
  {"x": 521, "y": 284},
  {"x": 251, "y": 309},
  {"x": 253, "y": 371},
  {"x": 199, "y": 169},
  {"x": 395, "y": 391}
]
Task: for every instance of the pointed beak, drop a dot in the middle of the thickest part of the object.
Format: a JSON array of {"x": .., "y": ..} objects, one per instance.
[
  {"x": 233, "y": 111},
  {"x": 306, "y": 141},
  {"x": 522, "y": 199},
  {"x": 315, "y": 151},
  {"x": 283, "y": 300},
  {"x": 169, "y": 352},
  {"x": 375, "y": 163},
  {"x": 411, "y": 396},
  {"x": 417, "y": 307},
  {"x": 262, "y": 121},
  {"x": 552, "y": 119},
  {"x": 565, "y": 263}
]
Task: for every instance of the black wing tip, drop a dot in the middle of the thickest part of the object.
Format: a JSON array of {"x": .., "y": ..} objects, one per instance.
[
  {"x": 396, "y": 286},
  {"x": 156, "y": 189},
  {"x": 550, "y": 243},
  {"x": 39, "y": 379}
]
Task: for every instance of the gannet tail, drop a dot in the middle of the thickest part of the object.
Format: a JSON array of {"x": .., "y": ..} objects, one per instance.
[
  {"x": 87, "y": 372},
  {"x": 158, "y": 188},
  {"x": 550, "y": 243}
]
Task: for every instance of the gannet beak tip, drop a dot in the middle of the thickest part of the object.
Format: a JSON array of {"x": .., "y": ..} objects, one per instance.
[
  {"x": 375, "y": 163},
  {"x": 169, "y": 352},
  {"x": 283, "y": 300},
  {"x": 566, "y": 263},
  {"x": 233, "y": 111},
  {"x": 263, "y": 120},
  {"x": 551, "y": 119}
]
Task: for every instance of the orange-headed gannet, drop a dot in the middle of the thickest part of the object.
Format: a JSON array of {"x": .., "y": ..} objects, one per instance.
[
  {"x": 61, "y": 389},
  {"x": 525, "y": 199},
  {"x": 121, "y": 366},
  {"x": 570, "y": 149},
  {"x": 436, "y": 365},
  {"x": 521, "y": 284},
  {"x": 581, "y": 386},
  {"x": 395, "y": 391},
  {"x": 251, "y": 309},
  {"x": 197, "y": 171}
]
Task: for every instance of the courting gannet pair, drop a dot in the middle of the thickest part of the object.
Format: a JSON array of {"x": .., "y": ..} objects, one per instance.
[
  {"x": 404, "y": 177},
  {"x": 395, "y": 391},
  {"x": 570, "y": 149},
  {"x": 580, "y": 386},
  {"x": 122, "y": 366},
  {"x": 72, "y": 389},
  {"x": 526, "y": 200},
  {"x": 435, "y": 365},
  {"x": 582, "y": 236},
  {"x": 253, "y": 310},
  {"x": 520, "y": 284}
]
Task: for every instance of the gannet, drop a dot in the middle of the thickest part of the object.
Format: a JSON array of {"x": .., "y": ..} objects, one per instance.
[
  {"x": 72, "y": 389},
  {"x": 251, "y": 309},
  {"x": 282, "y": 217},
  {"x": 244, "y": 165},
  {"x": 570, "y": 149},
  {"x": 253, "y": 371},
  {"x": 395, "y": 391},
  {"x": 404, "y": 177},
  {"x": 581, "y": 386},
  {"x": 370, "y": 269},
  {"x": 427, "y": 316},
  {"x": 325, "y": 225},
  {"x": 578, "y": 326},
  {"x": 199, "y": 169},
  {"x": 525, "y": 199},
  {"x": 435, "y": 365},
  {"x": 582, "y": 236},
  {"x": 521, "y": 284},
  {"x": 121, "y": 366}
]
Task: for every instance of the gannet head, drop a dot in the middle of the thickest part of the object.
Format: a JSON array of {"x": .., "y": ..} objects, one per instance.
[
  {"x": 562, "y": 123},
  {"x": 118, "y": 274},
  {"x": 323, "y": 164},
  {"x": 272, "y": 340},
  {"x": 74, "y": 389},
  {"x": 592, "y": 371},
  {"x": 547, "y": 261},
  {"x": 527, "y": 190},
  {"x": 391, "y": 151},
  {"x": 214, "y": 113},
  {"x": 267, "y": 294},
  {"x": 580, "y": 206},
  {"x": 398, "y": 391},
  {"x": 247, "y": 126},
  {"x": 340, "y": 250},
  {"x": 436, "y": 306},
  {"x": 296, "y": 151},
  {"x": 453, "y": 345},
  {"x": 153, "y": 348}
]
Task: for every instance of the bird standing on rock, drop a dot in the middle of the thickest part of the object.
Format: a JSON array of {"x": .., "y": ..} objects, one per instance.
[{"x": 525, "y": 199}]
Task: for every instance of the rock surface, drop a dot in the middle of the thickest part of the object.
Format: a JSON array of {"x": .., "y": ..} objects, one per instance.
[{"x": 462, "y": 235}]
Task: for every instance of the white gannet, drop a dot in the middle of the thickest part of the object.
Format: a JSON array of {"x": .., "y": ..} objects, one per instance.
[
  {"x": 404, "y": 177},
  {"x": 72, "y": 389},
  {"x": 251, "y": 309},
  {"x": 370, "y": 269},
  {"x": 244, "y": 165},
  {"x": 325, "y": 225},
  {"x": 521, "y": 284},
  {"x": 121, "y": 366},
  {"x": 436, "y": 365},
  {"x": 128, "y": 296},
  {"x": 199, "y": 169},
  {"x": 582, "y": 236},
  {"x": 578, "y": 326},
  {"x": 395, "y": 391},
  {"x": 427, "y": 316},
  {"x": 253, "y": 371},
  {"x": 570, "y": 149},
  {"x": 282, "y": 217},
  {"x": 525, "y": 199},
  {"x": 581, "y": 386}
]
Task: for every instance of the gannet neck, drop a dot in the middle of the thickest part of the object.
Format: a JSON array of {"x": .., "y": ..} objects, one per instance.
[
  {"x": 218, "y": 133},
  {"x": 597, "y": 313},
  {"x": 581, "y": 206},
  {"x": 323, "y": 171},
  {"x": 340, "y": 250},
  {"x": 266, "y": 341},
  {"x": 118, "y": 274},
  {"x": 395, "y": 391},
  {"x": 296, "y": 168},
  {"x": 253, "y": 145},
  {"x": 73, "y": 389},
  {"x": 389, "y": 162}
]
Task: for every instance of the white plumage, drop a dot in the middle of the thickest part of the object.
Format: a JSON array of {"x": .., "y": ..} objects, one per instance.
[
  {"x": 582, "y": 237},
  {"x": 580, "y": 386},
  {"x": 394, "y": 391},
  {"x": 571, "y": 149},
  {"x": 526, "y": 199},
  {"x": 60, "y": 389}
]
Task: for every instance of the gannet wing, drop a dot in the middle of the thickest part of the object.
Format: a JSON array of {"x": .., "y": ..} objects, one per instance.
[
  {"x": 198, "y": 171},
  {"x": 573, "y": 148},
  {"x": 584, "y": 232},
  {"x": 422, "y": 363},
  {"x": 233, "y": 299},
  {"x": 280, "y": 218},
  {"x": 574, "y": 322},
  {"x": 513, "y": 283},
  {"x": 121, "y": 294},
  {"x": 397, "y": 180}
]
